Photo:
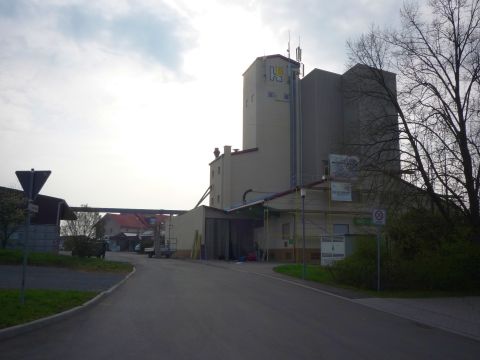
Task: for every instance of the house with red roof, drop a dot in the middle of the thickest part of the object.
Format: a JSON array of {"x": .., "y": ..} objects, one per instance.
[{"x": 125, "y": 231}]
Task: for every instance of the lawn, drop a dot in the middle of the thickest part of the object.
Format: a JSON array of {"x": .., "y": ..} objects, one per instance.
[
  {"x": 14, "y": 257},
  {"x": 313, "y": 272},
  {"x": 38, "y": 304}
]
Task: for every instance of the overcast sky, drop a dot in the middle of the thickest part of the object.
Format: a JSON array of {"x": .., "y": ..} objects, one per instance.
[{"x": 125, "y": 101}]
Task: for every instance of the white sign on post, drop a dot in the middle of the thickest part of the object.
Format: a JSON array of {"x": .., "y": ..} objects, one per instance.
[
  {"x": 32, "y": 208},
  {"x": 379, "y": 217},
  {"x": 341, "y": 191}
]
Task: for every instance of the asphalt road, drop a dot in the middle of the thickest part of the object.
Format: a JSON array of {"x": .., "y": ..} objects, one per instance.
[
  {"x": 171, "y": 309},
  {"x": 39, "y": 277}
]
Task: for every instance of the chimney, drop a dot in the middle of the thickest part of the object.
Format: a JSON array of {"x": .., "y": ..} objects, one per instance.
[{"x": 216, "y": 152}]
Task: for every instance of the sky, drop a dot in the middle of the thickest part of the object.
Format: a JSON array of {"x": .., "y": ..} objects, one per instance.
[{"x": 125, "y": 101}]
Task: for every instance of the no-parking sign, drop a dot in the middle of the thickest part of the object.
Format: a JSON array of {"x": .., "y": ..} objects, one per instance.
[{"x": 379, "y": 216}]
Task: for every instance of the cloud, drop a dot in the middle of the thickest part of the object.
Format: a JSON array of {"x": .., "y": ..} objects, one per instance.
[
  {"x": 155, "y": 32},
  {"x": 11, "y": 8},
  {"x": 324, "y": 26},
  {"x": 161, "y": 36},
  {"x": 96, "y": 90},
  {"x": 151, "y": 36}
]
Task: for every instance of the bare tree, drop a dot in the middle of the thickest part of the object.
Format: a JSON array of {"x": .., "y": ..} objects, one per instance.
[
  {"x": 12, "y": 213},
  {"x": 436, "y": 56},
  {"x": 83, "y": 226}
]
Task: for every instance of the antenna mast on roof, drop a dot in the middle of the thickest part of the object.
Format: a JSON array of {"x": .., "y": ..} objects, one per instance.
[
  {"x": 288, "y": 49},
  {"x": 298, "y": 56}
]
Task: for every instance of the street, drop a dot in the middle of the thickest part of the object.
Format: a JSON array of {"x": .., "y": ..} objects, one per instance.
[{"x": 174, "y": 309}]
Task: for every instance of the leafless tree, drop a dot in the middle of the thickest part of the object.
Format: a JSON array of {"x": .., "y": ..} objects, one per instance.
[
  {"x": 83, "y": 226},
  {"x": 436, "y": 56}
]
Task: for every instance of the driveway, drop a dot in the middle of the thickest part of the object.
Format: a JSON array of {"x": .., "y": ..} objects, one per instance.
[{"x": 172, "y": 309}]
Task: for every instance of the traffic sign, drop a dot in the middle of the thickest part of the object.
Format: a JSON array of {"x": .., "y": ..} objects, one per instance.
[
  {"x": 33, "y": 208},
  {"x": 32, "y": 181},
  {"x": 379, "y": 216}
]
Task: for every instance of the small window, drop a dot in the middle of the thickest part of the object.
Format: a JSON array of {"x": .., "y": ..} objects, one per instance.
[
  {"x": 251, "y": 99},
  {"x": 218, "y": 199},
  {"x": 340, "y": 229},
  {"x": 213, "y": 173},
  {"x": 218, "y": 170},
  {"x": 286, "y": 231}
]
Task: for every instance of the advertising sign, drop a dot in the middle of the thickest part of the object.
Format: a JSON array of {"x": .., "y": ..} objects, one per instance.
[{"x": 343, "y": 166}]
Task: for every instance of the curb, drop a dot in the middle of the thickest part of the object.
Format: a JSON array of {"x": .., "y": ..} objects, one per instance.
[{"x": 39, "y": 323}]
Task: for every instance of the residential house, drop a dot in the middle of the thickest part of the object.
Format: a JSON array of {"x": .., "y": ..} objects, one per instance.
[{"x": 125, "y": 231}]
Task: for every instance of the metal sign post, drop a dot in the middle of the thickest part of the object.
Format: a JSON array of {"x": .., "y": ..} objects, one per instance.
[
  {"x": 379, "y": 217},
  {"x": 32, "y": 182},
  {"x": 303, "y": 193}
]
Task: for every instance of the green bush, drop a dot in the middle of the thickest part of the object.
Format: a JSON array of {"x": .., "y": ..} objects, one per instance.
[
  {"x": 83, "y": 246},
  {"x": 423, "y": 252},
  {"x": 453, "y": 266},
  {"x": 360, "y": 269}
]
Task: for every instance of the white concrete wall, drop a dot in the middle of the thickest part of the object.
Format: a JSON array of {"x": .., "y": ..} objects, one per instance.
[
  {"x": 325, "y": 212},
  {"x": 111, "y": 227},
  {"x": 266, "y": 127},
  {"x": 183, "y": 227}
]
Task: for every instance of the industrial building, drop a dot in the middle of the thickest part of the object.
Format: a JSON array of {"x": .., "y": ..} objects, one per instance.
[
  {"x": 44, "y": 228},
  {"x": 307, "y": 143}
]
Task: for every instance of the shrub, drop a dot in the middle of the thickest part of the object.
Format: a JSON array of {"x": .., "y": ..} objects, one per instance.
[
  {"x": 360, "y": 268},
  {"x": 83, "y": 246},
  {"x": 422, "y": 253}
]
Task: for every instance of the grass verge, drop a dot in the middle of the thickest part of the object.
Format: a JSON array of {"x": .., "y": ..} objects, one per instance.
[
  {"x": 321, "y": 275},
  {"x": 38, "y": 304},
  {"x": 15, "y": 257},
  {"x": 313, "y": 273}
]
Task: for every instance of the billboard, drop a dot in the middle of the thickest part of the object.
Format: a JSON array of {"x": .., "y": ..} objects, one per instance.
[{"x": 343, "y": 166}]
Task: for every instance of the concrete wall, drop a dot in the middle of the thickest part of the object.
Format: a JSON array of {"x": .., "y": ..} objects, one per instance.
[
  {"x": 111, "y": 227},
  {"x": 266, "y": 128},
  {"x": 322, "y": 121},
  {"x": 370, "y": 119},
  {"x": 183, "y": 228},
  {"x": 221, "y": 180}
]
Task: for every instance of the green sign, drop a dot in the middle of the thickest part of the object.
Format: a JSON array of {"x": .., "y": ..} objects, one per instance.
[{"x": 365, "y": 221}]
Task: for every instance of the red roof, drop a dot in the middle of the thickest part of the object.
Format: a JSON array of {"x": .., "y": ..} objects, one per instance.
[
  {"x": 130, "y": 221},
  {"x": 135, "y": 221}
]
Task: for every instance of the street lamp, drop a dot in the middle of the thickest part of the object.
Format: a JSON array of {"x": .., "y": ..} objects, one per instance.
[{"x": 303, "y": 193}]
